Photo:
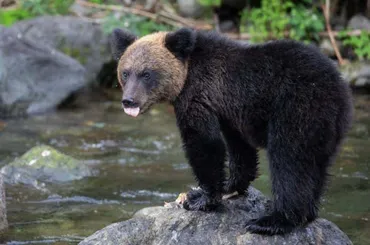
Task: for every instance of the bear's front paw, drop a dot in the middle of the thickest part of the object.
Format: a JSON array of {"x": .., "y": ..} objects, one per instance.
[{"x": 199, "y": 200}]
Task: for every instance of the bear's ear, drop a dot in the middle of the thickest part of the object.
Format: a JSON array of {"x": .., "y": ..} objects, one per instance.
[
  {"x": 181, "y": 43},
  {"x": 120, "y": 40}
]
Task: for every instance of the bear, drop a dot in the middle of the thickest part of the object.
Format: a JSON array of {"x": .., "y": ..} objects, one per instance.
[{"x": 232, "y": 99}]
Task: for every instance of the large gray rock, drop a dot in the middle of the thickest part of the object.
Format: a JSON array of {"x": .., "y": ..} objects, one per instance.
[
  {"x": 174, "y": 225},
  {"x": 42, "y": 165},
  {"x": 359, "y": 22},
  {"x": 3, "y": 221},
  {"x": 357, "y": 74},
  {"x": 190, "y": 8},
  {"x": 34, "y": 78},
  {"x": 80, "y": 39}
]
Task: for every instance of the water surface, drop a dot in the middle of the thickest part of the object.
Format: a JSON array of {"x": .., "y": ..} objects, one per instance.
[{"x": 140, "y": 163}]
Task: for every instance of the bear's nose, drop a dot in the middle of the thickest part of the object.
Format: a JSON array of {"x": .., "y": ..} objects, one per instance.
[{"x": 129, "y": 102}]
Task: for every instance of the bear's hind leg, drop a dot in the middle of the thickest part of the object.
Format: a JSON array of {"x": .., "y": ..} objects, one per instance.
[
  {"x": 243, "y": 161},
  {"x": 298, "y": 170}
]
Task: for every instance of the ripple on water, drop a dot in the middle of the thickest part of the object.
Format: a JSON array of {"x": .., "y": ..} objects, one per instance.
[
  {"x": 147, "y": 193},
  {"x": 76, "y": 199}
]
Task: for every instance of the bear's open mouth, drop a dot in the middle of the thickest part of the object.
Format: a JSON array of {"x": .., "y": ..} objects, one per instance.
[{"x": 134, "y": 112}]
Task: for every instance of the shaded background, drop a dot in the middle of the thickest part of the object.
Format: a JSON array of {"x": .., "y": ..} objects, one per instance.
[{"x": 58, "y": 87}]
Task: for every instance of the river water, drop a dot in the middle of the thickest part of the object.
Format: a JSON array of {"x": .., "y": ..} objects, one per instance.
[{"x": 140, "y": 163}]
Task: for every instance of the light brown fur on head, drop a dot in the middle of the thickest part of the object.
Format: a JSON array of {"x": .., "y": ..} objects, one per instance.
[{"x": 149, "y": 52}]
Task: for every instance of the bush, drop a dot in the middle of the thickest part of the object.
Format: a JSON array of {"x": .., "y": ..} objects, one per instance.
[
  {"x": 140, "y": 26},
  {"x": 32, "y": 8},
  {"x": 9, "y": 17},
  {"x": 359, "y": 44},
  {"x": 277, "y": 19}
]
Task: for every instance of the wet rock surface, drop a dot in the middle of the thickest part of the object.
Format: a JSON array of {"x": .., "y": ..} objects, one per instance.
[
  {"x": 42, "y": 165},
  {"x": 174, "y": 225}
]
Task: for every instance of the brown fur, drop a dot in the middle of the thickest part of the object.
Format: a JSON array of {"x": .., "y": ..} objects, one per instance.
[{"x": 150, "y": 52}]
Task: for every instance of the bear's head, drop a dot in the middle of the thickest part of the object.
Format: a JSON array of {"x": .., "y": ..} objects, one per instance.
[{"x": 153, "y": 68}]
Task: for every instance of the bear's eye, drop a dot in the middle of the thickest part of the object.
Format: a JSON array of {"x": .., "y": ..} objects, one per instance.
[
  {"x": 124, "y": 75},
  {"x": 146, "y": 76}
]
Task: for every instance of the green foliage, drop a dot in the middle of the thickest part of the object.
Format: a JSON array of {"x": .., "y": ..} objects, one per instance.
[
  {"x": 359, "y": 44},
  {"x": 277, "y": 19},
  {"x": 96, "y": 1},
  {"x": 31, "y": 8},
  {"x": 305, "y": 24},
  {"x": 46, "y": 7},
  {"x": 9, "y": 17},
  {"x": 269, "y": 21},
  {"x": 210, "y": 2},
  {"x": 138, "y": 25}
]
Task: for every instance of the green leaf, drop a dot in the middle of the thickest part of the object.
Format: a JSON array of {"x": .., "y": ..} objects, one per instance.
[
  {"x": 210, "y": 2},
  {"x": 9, "y": 17}
]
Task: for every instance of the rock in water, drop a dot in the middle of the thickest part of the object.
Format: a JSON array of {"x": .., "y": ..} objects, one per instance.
[
  {"x": 73, "y": 36},
  {"x": 42, "y": 165},
  {"x": 160, "y": 225},
  {"x": 34, "y": 78},
  {"x": 3, "y": 220},
  {"x": 47, "y": 59}
]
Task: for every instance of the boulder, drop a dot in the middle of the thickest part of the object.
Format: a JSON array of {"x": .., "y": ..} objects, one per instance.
[
  {"x": 42, "y": 165},
  {"x": 225, "y": 226},
  {"x": 359, "y": 22},
  {"x": 3, "y": 220},
  {"x": 34, "y": 77},
  {"x": 190, "y": 8},
  {"x": 80, "y": 39},
  {"x": 357, "y": 74}
]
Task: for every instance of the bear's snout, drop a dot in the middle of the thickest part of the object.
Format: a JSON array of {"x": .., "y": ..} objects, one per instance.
[
  {"x": 129, "y": 102},
  {"x": 130, "y": 107}
]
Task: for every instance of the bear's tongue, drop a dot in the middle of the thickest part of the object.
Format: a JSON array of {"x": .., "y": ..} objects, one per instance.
[{"x": 132, "y": 111}]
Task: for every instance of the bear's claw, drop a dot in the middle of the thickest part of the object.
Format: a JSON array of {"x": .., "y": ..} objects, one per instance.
[{"x": 199, "y": 200}]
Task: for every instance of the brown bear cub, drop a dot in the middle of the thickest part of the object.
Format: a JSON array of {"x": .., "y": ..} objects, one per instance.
[{"x": 230, "y": 97}]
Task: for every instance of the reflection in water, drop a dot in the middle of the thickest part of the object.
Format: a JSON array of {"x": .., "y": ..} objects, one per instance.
[{"x": 141, "y": 163}]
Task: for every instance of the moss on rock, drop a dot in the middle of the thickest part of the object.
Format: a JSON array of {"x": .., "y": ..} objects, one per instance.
[{"x": 44, "y": 164}]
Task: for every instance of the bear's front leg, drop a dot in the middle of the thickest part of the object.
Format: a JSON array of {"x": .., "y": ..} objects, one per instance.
[
  {"x": 243, "y": 160},
  {"x": 205, "y": 151}
]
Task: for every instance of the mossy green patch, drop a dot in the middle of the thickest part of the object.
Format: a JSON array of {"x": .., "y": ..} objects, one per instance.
[
  {"x": 44, "y": 163},
  {"x": 75, "y": 53},
  {"x": 45, "y": 156}
]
